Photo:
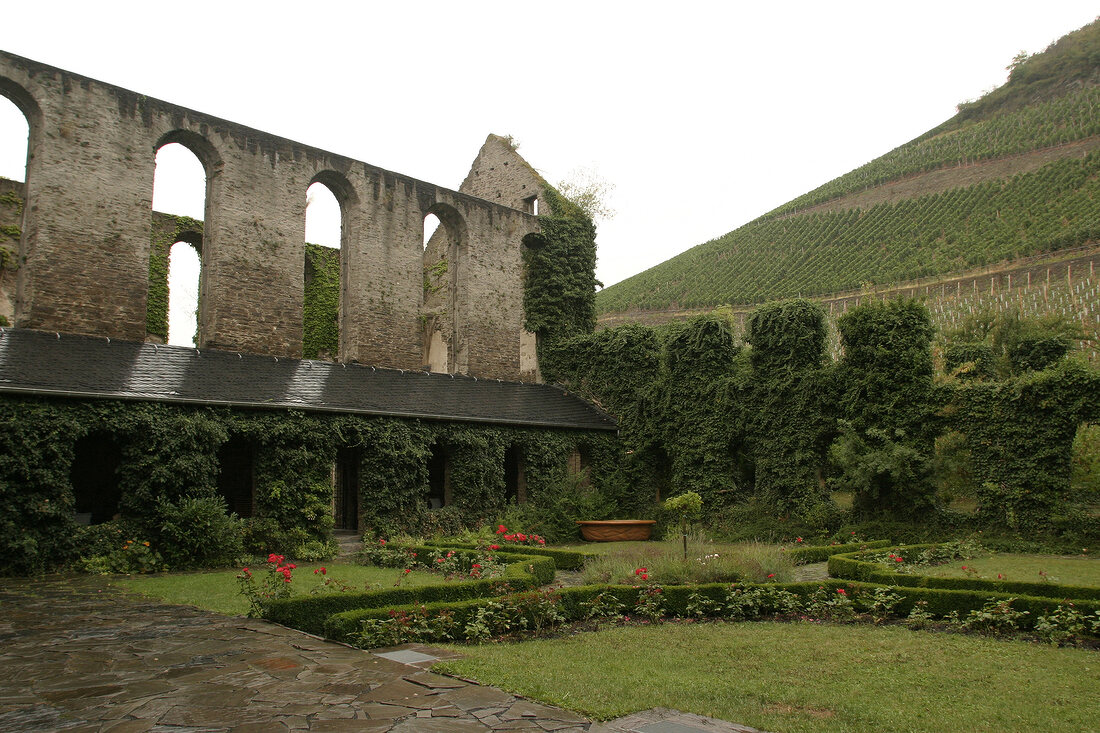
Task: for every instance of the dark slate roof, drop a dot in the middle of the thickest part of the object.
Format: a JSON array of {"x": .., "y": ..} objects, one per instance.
[{"x": 39, "y": 363}]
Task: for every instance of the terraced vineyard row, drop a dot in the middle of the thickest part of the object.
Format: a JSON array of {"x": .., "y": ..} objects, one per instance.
[
  {"x": 1074, "y": 116},
  {"x": 1053, "y": 208}
]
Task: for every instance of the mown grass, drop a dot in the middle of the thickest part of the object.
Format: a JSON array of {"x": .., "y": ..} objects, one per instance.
[
  {"x": 706, "y": 562},
  {"x": 803, "y": 678},
  {"x": 1078, "y": 570},
  {"x": 217, "y": 590}
]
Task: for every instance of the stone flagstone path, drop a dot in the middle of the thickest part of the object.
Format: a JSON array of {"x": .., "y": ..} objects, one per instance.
[{"x": 78, "y": 656}]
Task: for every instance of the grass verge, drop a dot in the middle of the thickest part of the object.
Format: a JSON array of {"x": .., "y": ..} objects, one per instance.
[
  {"x": 1066, "y": 570},
  {"x": 802, "y": 678},
  {"x": 706, "y": 562},
  {"x": 217, "y": 590}
]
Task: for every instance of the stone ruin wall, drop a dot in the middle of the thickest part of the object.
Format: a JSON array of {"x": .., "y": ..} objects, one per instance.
[{"x": 84, "y": 250}]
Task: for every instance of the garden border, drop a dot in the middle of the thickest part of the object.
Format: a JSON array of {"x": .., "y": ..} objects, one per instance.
[{"x": 849, "y": 566}]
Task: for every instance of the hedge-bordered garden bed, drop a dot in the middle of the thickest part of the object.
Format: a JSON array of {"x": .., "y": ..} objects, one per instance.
[{"x": 852, "y": 566}]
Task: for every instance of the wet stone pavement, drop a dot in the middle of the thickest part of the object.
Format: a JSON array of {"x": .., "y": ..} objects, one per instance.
[{"x": 78, "y": 656}]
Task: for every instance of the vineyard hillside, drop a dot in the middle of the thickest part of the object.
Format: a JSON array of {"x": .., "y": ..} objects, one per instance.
[{"x": 1014, "y": 176}]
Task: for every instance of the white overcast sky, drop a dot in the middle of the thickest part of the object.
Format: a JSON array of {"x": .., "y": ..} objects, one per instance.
[{"x": 703, "y": 115}]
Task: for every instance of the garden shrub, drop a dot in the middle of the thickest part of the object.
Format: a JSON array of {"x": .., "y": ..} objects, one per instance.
[{"x": 196, "y": 532}]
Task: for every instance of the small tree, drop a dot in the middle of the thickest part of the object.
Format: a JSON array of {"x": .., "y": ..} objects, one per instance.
[{"x": 684, "y": 507}]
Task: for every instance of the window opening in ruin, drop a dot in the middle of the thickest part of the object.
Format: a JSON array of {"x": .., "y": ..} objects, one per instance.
[
  {"x": 236, "y": 476},
  {"x": 515, "y": 479},
  {"x": 439, "y": 478},
  {"x": 323, "y": 260},
  {"x": 184, "y": 267},
  {"x": 94, "y": 478},
  {"x": 431, "y": 226},
  {"x": 14, "y": 137},
  {"x": 322, "y": 216},
  {"x": 345, "y": 506},
  {"x": 179, "y": 188},
  {"x": 443, "y": 316},
  {"x": 14, "y": 134},
  {"x": 531, "y": 205}
]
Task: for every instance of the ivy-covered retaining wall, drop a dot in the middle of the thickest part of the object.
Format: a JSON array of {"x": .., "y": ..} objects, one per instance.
[
  {"x": 169, "y": 455},
  {"x": 776, "y": 423}
]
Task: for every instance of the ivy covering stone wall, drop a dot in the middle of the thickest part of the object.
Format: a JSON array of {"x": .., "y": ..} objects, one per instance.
[{"x": 169, "y": 457}]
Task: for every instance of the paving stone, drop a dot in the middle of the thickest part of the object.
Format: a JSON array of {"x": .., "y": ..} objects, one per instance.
[{"x": 407, "y": 656}]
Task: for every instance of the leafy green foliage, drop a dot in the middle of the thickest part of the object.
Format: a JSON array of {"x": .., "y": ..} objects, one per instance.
[
  {"x": 886, "y": 402},
  {"x": 1020, "y": 434},
  {"x": 560, "y": 265},
  {"x": 1005, "y": 344},
  {"x": 790, "y": 427},
  {"x": 320, "y": 314}
]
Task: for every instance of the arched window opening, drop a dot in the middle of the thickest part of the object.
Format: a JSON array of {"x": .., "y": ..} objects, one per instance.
[
  {"x": 175, "y": 260},
  {"x": 236, "y": 477},
  {"x": 321, "y": 299},
  {"x": 14, "y": 135},
  {"x": 439, "y": 478},
  {"x": 515, "y": 477},
  {"x": 94, "y": 478},
  {"x": 431, "y": 226},
  {"x": 184, "y": 265},
  {"x": 444, "y": 342},
  {"x": 345, "y": 504}
]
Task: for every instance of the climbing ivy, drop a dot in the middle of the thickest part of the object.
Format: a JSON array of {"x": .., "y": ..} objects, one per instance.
[
  {"x": 167, "y": 230},
  {"x": 559, "y": 296},
  {"x": 321, "y": 309},
  {"x": 886, "y": 403},
  {"x": 790, "y": 421},
  {"x": 1020, "y": 434},
  {"x": 169, "y": 459}
]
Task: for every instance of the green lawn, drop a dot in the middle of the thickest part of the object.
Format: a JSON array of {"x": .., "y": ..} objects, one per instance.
[
  {"x": 217, "y": 590},
  {"x": 706, "y": 562},
  {"x": 1068, "y": 570},
  {"x": 790, "y": 678}
]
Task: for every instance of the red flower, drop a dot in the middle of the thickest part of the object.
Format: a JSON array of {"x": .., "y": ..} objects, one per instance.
[
  {"x": 408, "y": 570},
  {"x": 475, "y": 565},
  {"x": 999, "y": 576},
  {"x": 382, "y": 542},
  {"x": 542, "y": 541},
  {"x": 494, "y": 547},
  {"x": 771, "y": 575},
  {"x": 439, "y": 559},
  {"x": 899, "y": 559},
  {"x": 501, "y": 529},
  {"x": 797, "y": 539},
  {"x": 841, "y": 591},
  {"x": 639, "y": 571},
  {"x": 644, "y": 576},
  {"x": 964, "y": 567}
]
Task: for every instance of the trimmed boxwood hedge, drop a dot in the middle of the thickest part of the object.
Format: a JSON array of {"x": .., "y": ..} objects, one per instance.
[
  {"x": 821, "y": 553},
  {"x": 940, "y": 602},
  {"x": 308, "y": 613},
  {"x": 852, "y": 567}
]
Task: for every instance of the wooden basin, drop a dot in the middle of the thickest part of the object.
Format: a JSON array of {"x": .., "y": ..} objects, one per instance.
[{"x": 617, "y": 530}]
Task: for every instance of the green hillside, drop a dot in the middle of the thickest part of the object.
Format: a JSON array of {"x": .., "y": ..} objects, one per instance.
[{"x": 1050, "y": 99}]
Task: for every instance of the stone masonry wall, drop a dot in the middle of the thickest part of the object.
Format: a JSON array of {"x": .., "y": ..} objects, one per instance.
[{"x": 86, "y": 232}]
